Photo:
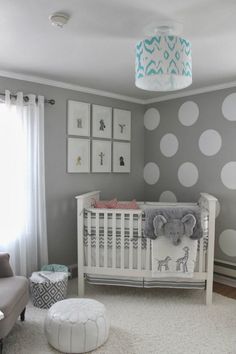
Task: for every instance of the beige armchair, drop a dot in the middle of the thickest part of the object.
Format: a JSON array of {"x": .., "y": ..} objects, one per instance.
[{"x": 14, "y": 296}]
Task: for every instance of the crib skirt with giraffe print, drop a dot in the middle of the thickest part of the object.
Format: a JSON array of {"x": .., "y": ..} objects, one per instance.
[{"x": 169, "y": 260}]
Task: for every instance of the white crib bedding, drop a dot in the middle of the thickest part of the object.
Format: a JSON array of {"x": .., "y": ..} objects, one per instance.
[{"x": 90, "y": 233}]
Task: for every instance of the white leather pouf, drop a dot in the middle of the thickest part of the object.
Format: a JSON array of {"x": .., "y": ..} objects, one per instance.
[{"x": 77, "y": 325}]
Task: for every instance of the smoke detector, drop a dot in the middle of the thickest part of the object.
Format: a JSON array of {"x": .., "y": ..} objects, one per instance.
[{"x": 59, "y": 19}]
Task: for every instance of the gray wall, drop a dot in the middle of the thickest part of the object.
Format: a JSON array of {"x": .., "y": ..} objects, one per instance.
[
  {"x": 209, "y": 167},
  {"x": 61, "y": 187}
]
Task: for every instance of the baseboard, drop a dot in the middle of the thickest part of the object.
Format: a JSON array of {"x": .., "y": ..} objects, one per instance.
[
  {"x": 222, "y": 279},
  {"x": 225, "y": 273}
]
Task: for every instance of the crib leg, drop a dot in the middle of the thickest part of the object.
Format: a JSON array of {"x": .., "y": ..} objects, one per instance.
[
  {"x": 209, "y": 290},
  {"x": 80, "y": 284}
]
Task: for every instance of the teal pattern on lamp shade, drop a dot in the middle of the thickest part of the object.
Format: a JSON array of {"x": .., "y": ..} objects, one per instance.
[{"x": 163, "y": 63}]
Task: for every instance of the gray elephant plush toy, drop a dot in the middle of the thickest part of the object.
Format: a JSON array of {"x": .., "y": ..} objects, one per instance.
[{"x": 175, "y": 229}]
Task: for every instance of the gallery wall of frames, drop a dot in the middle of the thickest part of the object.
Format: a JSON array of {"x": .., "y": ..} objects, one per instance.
[{"x": 99, "y": 138}]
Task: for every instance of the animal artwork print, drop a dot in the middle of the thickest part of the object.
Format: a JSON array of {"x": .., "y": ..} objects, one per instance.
[
  {"x": 102, "y": 125},
  {"x": 78, "y": 161},
  {"x": 122, "y": 162},
  {"x": 79, "y": 123},
  {"x": 183, "y": 261},
  {"x": 101, "y": 155},
  {"x": 163, "y": 263},
  {"x": 122, "y": 127}
]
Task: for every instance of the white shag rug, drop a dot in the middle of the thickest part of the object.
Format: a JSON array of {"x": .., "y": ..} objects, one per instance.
[{"x": 144, "y": 321}]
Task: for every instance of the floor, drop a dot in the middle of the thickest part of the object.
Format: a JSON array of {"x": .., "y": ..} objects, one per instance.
[
  {"x": 143, "y": 321},
  {"x": 225, "y": 290}
]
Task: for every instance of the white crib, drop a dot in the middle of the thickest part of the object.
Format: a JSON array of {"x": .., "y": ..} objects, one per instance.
[{"x": 112, "y": 249}]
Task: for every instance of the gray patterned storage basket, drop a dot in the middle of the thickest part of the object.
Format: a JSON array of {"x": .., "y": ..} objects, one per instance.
[{"x": 47, "y": 288}]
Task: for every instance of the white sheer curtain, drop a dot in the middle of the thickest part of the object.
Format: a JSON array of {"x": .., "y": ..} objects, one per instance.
[{"x": 22, "y": 183}]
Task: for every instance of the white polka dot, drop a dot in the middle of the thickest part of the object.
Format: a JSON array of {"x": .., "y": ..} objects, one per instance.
[
  {"x": 227, "y": 242},
  {"x": 169, "y": 145},
  {"x": 188, "y": 174},
  {"x": 217, "y": 208},
  {"x": 151, "y": 119},
  {"x": 228, "y": 175},
  {"x": 151, "y": 173},
  {"x": 168, "y": 196},
  {"x": 229, "y": 107},
  {"x": 188, "y": 113},
  {"x": 210, "y": 142}
]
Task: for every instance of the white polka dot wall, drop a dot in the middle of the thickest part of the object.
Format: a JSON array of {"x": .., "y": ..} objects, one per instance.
[
  {"x": 151, "y": 119},
  {"x": 151, "y": 173},
  {"x": 228, "y": 175},
  {"x": 168, "y": 197},
  {"x": 188, "y": 174},
  {"x": 169, "y": 145},
  {"x": 188, "y": 113},
  {"x": 227, "y": 242},
  {"x": 229, "y": 107},
  {"x": 210, "y": 142}
]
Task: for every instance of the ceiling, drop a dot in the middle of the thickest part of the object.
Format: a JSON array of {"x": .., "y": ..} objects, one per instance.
[{"x": 96, "y": 48}]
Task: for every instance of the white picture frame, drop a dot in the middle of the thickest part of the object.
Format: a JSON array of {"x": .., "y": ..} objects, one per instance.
[
  {"x": 101, "y": 156},
  {"x": 78, "y": 155},
  {"x": 121, "y": 157},
  {"x": 121, "y": 124},
  {"x": 101, "y": 121},
  {"x": 78, "y": 121}
]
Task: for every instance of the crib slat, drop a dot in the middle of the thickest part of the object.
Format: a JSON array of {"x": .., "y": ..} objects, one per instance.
[
  {"x": 105, "y": 239},
  {"x": 113, "y": 240},
  {"x": 122, "y": 248},
  {"x": 201, "y": 255},
  {"x": 147, "y": 266},
  {"x": 139, "y": 241},
  {"x": 131, "y": 235},
  {"x": 97, "y": 239},
  {"x": 89, "y": 239}
]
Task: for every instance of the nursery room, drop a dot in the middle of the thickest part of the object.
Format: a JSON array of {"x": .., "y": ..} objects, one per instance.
[{"x": 118, "y": 177}]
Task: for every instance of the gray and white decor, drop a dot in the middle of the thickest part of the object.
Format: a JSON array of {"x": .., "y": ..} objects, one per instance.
[
  {"x": 95, "y": 144},
  {"x": 47, "y": 288},
  {"x": 78, "y": 122},
  {"x": 102, "y": 121},
  {"x": 78, "y": 158},
  {"x": 122, "y": 124},
  {"x": 101, "y": 156},
  {"x": 121, "y": 157},
  {"x": 190, "y": 148}
]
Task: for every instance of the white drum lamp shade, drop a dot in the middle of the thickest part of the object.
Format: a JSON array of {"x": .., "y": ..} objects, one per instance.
[{"x": 163, "y": 63}]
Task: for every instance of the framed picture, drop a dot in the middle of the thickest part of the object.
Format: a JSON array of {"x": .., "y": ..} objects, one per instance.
[
  {"x": 121, "y": 157},
  {"x": 78, "y": 159},
  {"x": 122, "y": 124},
  {"x": 102, "y": 121},
  {"x": 101, "y": 156},
  {"x": 78, "y": 122}
]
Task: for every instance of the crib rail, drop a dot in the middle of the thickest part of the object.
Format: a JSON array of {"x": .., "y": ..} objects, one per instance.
[
  {"x": 114, "y": 243},
  {"x": 111, "y": 242}
]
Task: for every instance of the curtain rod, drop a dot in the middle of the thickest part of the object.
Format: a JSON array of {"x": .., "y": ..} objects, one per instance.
[{"x": 26, "y": 99}]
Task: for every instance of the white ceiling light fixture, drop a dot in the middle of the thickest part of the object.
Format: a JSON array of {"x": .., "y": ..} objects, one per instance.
[
  {"x": 59, "y": 19},
  {"x": 163, "y": 59}
]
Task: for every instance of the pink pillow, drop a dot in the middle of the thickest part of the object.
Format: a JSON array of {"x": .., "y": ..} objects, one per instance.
[
  {"x": 127, "y": 205},
  {"x": 105, "y": 204}
]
